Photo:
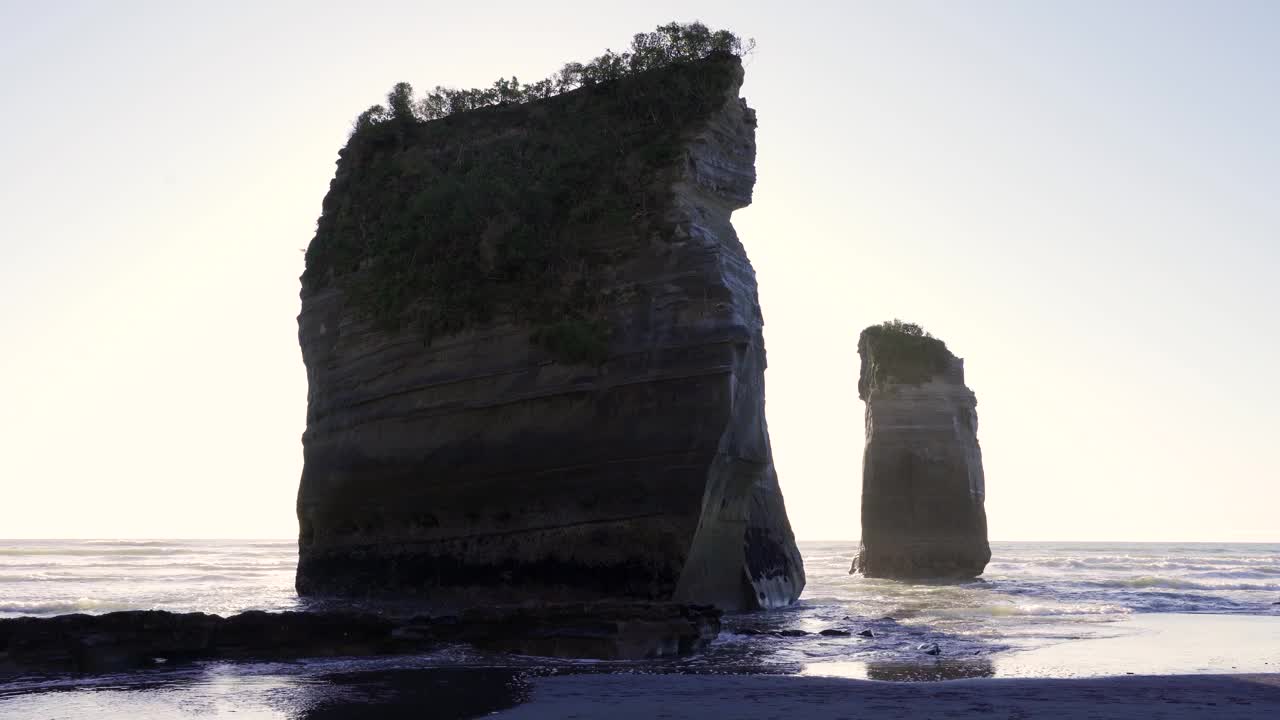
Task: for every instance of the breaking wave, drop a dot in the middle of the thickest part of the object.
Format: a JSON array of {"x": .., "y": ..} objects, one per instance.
[
  {"x": 1148, "y": 581},
  {"x": 60, "y": 607}
]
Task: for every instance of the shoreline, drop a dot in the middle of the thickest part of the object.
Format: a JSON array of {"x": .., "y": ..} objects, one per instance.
[
  {"x": 460, "y": 693},
  {"x": 1152, "y": 644},
  {"x": 1075, "y": 612},
  {"x": 1103, "y": 677}
]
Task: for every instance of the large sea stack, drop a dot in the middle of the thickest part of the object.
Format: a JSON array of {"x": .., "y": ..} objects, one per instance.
[
  {"x": 922, "y": 482},
  {"x": 534, "y": 355}
]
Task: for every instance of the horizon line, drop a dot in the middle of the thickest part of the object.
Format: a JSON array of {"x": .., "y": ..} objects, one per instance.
[{"x": 799, "y": 540}]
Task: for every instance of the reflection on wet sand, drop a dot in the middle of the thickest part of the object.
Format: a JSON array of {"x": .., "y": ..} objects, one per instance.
[
  {"x": 278, "y": 692},
  {"x": 924, "y": 671},
  {"x": 447, "y": 693},
  {"x": 931, "y": 671}
]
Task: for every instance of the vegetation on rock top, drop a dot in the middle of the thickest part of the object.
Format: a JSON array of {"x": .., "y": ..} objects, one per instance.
[
  {"x": 510, "y": 201},
  {"x": 667, "y": 45},
  {"x": 904, "y": 352}
]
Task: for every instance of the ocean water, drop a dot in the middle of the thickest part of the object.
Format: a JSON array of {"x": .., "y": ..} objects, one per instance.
[
  {"x": 1027, "y": 584},
  {"x": 54, "y": 577},
  {"x": 1033, "y": 594},
  {"x": 1035, "y": 600}
]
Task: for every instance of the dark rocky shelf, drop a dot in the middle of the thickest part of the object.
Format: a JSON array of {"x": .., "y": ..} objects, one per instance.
[{"x": 144, "y": 638}]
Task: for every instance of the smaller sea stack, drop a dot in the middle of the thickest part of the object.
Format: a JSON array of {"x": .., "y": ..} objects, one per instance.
[{"x": 922, "y": 482}]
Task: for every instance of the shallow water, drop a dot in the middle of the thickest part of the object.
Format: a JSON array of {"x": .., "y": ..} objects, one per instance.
[
  {"x": 1041, "y": 610},
  {"x": 1033, "y": 595},
  {"x": 53, "y": 577}
]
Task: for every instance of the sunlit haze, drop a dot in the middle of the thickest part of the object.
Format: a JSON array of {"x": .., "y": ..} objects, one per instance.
[{"x": 1080, "y": 200}]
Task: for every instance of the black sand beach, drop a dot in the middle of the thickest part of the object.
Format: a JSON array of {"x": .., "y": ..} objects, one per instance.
[
  {"x": 619, "y": 697},
  {"x": 462, "y": 694}
]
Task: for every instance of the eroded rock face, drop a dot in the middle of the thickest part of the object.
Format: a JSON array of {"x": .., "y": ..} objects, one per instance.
[
  {"x": 922, "y": 481},
  {"x": 479, "y": 467}
]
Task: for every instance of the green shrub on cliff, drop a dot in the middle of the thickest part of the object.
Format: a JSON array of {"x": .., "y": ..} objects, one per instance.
[
  {"x": 667, "y": 45},
  {"x": 465, "y": 206},
  {"x": 904, "y": 352}
]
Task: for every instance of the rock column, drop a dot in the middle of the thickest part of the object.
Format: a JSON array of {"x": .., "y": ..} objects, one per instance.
[
  {"x": 922, "y": 481},
  {"x": 477, "y": 467}
]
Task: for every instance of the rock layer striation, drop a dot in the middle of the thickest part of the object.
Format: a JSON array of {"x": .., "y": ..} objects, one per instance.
[
  {"x": 479, "y": 465},
  {"x": 922, "y": 482}
]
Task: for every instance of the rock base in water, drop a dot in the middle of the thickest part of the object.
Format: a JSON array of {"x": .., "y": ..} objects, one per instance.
[
  {"x": 133, "y": 639},
  {"x": 923, "y": 489}
]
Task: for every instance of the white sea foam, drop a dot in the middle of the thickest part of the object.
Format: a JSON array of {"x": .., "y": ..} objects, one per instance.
[
  {"x": 1149, "y": 581},
  {"x": 62, "y": 607}
]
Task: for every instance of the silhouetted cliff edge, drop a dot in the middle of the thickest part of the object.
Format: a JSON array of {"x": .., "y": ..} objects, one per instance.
[{"x": 534, "y": 356}]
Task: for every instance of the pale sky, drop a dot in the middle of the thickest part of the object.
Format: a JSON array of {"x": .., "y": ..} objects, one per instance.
[{"x": 1081, "y": 198}]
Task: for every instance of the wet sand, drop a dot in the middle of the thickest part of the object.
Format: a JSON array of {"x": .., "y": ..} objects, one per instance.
[
  {"x": 1183, "y": 666},
  {"x": 465, "y": 694},
  {"x": 1158, "y": 644},
  {"x": 636, "y": 697},
  {"x": 1148, "y": 667}
]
